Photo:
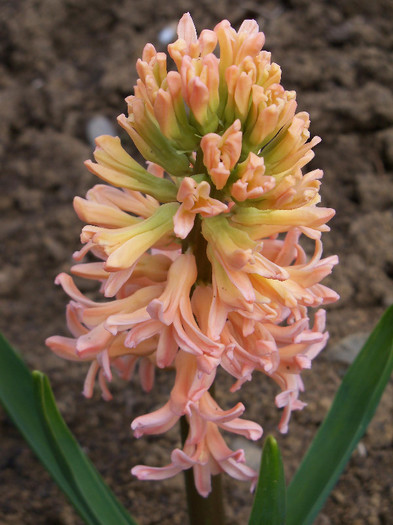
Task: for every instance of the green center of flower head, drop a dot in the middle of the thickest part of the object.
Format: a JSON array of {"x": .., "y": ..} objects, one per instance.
[{"x": 199, "y": 253}]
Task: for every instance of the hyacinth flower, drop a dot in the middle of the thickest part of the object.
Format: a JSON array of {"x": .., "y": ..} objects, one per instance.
[{"x": 198, "y": 254}]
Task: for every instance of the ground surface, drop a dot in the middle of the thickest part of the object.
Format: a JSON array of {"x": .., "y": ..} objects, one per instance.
[{"x": 64, "y": 62}]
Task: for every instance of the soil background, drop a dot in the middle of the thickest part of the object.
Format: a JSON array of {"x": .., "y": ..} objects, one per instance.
[{"x": 65, "y": 62}]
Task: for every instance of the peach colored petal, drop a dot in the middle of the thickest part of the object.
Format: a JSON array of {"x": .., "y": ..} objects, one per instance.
[
  {"x": 220, "y": 153},
  {"x": 181, "y": 276},
  {"x": 101, "y": 214}
]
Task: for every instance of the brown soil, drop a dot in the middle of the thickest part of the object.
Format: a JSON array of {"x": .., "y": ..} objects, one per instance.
[{"x": 64, "y": 61}]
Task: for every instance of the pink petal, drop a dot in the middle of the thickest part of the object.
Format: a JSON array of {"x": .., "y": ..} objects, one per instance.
[
  {"x": 244, "y": 427},
  {"x": 167, "y": 348},
  {"x": 146, "y": 374},
  {"x": 186, "y": 29},
  {"x": 94, "y": 341},
  {"x": 212, "y": 412},
  {"x": 90, "y": 379},
  {"x": 202, "y": 478},
  {"x": 144, "y": 473},
  {"x": 70, "y": 289},
  {"x": 156, "y": 422},
  {"x": 64, "y": 347}
]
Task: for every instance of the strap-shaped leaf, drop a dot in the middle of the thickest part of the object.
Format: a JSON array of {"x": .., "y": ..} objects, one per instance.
[
  {"x": 353, "y": 407},
  {"x": 29, "y": 401},
  {"x": 269, "y": 502}
]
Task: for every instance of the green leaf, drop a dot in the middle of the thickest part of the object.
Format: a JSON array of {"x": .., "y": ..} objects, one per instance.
[
  {"x": 269, "y": 502},
  {"x": 29, "y": 401},
  {"x": 353, "y": 407}
]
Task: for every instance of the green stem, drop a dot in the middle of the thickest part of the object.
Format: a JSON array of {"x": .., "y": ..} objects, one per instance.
[
  {"x": 198, "y": 244},
  {"x": 202, "y": 511},
  {"x": 199, "y": 167}
]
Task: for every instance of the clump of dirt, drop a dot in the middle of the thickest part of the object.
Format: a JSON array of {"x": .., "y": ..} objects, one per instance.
[{"x": 64, "y": 62}]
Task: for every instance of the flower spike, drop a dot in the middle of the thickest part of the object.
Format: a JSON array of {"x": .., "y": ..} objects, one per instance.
[{"x": 199, "y": 256}]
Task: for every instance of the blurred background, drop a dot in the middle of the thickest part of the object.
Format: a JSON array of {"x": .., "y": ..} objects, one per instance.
[{"x": 65, "y": 68}]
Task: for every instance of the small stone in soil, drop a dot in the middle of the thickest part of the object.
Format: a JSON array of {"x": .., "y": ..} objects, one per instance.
[
  {"x": 346, "y": 350},
  {"x": 98, "y": 125}
]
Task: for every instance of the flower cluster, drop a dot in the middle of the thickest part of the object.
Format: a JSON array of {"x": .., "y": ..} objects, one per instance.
[{"x": 198, "y": 254}]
